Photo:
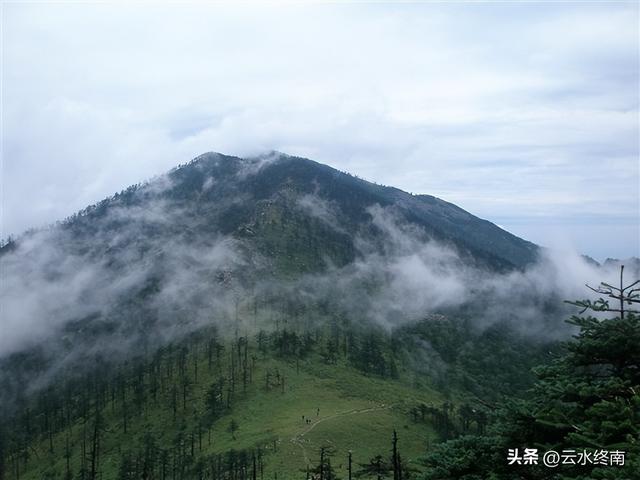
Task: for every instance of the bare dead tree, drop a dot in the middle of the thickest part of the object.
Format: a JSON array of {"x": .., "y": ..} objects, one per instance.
[{"x": 628, "y": 295}]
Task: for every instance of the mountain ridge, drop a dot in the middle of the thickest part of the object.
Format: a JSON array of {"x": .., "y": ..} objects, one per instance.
[
  {"x": 268, "y": 177},
  {"x": 162, "y": 258},
  {"x": 210, "y": 318}
]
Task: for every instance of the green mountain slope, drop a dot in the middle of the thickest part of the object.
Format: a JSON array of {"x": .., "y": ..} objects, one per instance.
[
  {"x": 230, "y": 320},
  {"x": 345, "y": 408},
  {"x": 169, "y": 413},
  {"x": 159, "y": 259},
  {"x": 228, "y": 195}
]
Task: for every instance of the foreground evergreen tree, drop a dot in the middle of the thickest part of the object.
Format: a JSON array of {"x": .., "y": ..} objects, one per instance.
[
  {"x": 323, "y": 470},
  {"x": 377, "y": 468},
  {"x": 588, "y": 399}
]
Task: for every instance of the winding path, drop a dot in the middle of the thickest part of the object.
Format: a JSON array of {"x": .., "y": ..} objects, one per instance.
[{"x": 299, "y": 438}]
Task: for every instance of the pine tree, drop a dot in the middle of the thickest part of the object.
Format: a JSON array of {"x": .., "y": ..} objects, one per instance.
[
  {"x": 324, "y": 470},
  {"x": 233, "y": 428},
  {"x": 377, "y": 468},
  {"x": 589, "y": 398}
]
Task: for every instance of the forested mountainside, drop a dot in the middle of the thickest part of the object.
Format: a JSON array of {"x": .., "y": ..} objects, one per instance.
[
  {"x": 314, "y": 203},
  {"x": 162, "y": 258},
  {"x": 273, "y": 317}
]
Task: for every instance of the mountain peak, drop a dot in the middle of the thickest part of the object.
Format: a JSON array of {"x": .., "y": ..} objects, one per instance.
[
  {"x": 287, "y": 195},
  {"x": 246, "y": 183}
]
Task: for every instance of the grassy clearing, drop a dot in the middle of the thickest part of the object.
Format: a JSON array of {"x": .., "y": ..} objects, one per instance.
[{"x": 347, "y": 410}]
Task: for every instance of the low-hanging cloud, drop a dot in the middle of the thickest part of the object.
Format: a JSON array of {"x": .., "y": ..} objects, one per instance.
[
  {"x": 407, "y": 276},
  {"x": 130, "y": 265},
  {"x": 145, "y": 268}
]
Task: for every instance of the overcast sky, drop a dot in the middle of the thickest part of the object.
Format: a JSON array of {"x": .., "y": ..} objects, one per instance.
[{"x": 522, "y": 113}]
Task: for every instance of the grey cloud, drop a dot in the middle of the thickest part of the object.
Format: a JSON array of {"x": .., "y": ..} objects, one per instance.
[
  {"x": 57, "y": 282},
  {"x": 57, "y": 276},
  {"x": 409, "y": 277},
  {"x": 425, "y": 97},
  {"x": 321, "y": 209}
]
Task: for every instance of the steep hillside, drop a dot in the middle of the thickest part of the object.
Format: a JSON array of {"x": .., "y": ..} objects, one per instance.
[
  {"x": 278, "y": 202},
  {"x": 269, "y": 405},
  {"x": 346, "y": 410},
  {"x": 263, "y": 317},
  {"x": 159, "y": 259}
]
